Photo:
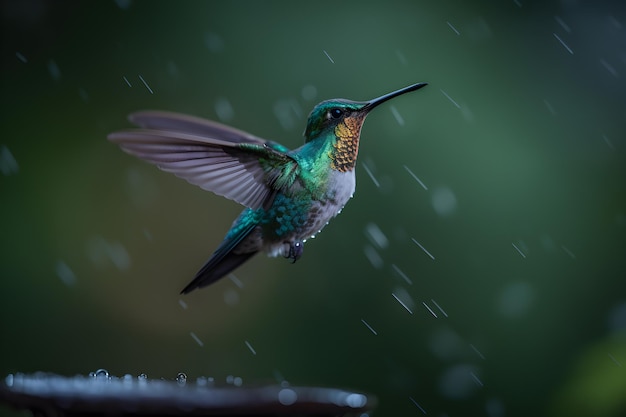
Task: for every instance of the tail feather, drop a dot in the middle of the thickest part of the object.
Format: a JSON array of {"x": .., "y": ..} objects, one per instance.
[
  {"x": 214, "y": 270},
  {"x": 223, "y": 259}
]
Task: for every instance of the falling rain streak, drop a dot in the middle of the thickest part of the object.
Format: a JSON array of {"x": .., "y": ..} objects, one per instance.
[
  {"x": 429, "y": 309},
  {"x": 146, "y": 84},
  {"x": 476, "y": 379},
  {"x": 450, "y": 98},
  {"x": 563, "y": 43},
  {"x": 369, "y": 327},
  {"x": 402, "y": 274},
  {"x": 366, "y": 168},
  {"x": 610, "y": 68},
  {"x": 453, "y": 28},
  {"x": 235, "y": 280},
  {"x": 196, "y": 338},
  {"x": 423, "y": 248},
  {"x": 8, "y": 164},
  {"x": 376, "y": 236},
  {"x": 127, "y": 82},
  {"x": 569, "y": 252},
  {"x": 250, "y": 347},
  {"x": 618, "y": 363},
  {"x": 417, "y": 405},
  {"x": 373, "y": 256},
  {"x": 519, "y": 250},
  {"x": 402, "y": 303},
  {"x": 415, "y": 177},
  {"x": 440, "y": 309},
  {"x": 477, "y": 352},
  {"x": 328, "y": 56},
  {"x": 562, "y": 24},
  {"x": 397, "y": 115},
  {"x": 65, "y": 273}
]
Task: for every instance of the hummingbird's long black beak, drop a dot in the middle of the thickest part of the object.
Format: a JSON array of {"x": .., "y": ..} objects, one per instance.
[{"x": 375, "y": 102}]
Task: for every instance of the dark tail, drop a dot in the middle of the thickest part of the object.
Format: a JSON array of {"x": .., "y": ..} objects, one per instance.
[
  {"x": 213, "y": 271},
  {"x": 223, "y": 259}
]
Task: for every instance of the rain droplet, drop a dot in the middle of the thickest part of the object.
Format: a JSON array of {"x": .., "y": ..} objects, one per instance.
[
  {"x": 444, "y": 201},
  {"x": 181, "y": 378},
  {"x": 83, "y": 95},
  {"x": 372, "y": 255},
  {"x": 214, "y": 42},
  {"x": 356, "y": 400},
  {"x": 142, "y": 377},
  {"x": 377, "y": 237},
  {"x": 124, "y": 4},
  {"x": 515, "y": 299},
  {"x": 309, "y": 92},
  {"x": 287, "y": 396},
  {"x": 401, "y": 57},
  {"x": 458, "y": 382},
  {"x": 54, "y": 70},
  {"x": 65, "y": 273},
  {"x": 224, "y": 109},
  {"x": 495, "y": 408},
  {"x": 101, "y": 374},
  {"x": 8, "y": 164},
  {"x": 231, "y": 297},
  {"x": 445, "y": 344}
]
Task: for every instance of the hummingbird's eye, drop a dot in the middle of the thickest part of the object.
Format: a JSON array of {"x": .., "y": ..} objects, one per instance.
[{"x": 335, "y": 113}]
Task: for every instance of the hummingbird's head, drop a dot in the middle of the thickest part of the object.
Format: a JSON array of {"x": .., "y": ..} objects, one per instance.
[
  {"x": 339, "y": 121},
  {"x": 327, "y": 115}
]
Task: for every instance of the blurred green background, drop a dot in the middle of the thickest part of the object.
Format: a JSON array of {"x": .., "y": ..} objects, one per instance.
[{"x": 520, "y": 140}]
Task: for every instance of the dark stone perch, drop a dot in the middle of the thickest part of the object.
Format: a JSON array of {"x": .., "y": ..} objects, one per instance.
[{"x": 99, "y": 394}]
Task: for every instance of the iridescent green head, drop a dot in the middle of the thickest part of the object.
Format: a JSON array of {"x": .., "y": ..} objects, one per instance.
[{"x": 327, "y": 115}]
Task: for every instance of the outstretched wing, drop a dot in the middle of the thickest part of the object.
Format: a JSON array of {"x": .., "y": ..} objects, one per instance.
[{"x": 217, "y": 158}]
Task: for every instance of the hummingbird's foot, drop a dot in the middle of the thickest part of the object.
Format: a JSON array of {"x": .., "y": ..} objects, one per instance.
[{"x": 295, "y": 251}]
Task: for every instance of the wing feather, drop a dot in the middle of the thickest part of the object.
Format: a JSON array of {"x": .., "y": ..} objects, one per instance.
[{"x": 215, "y": 157}]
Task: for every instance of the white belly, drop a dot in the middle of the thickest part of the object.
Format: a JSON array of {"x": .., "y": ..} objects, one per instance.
[{"x": 341, "y": 186}]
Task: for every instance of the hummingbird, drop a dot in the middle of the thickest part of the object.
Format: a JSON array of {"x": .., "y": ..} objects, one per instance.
[{"x": 289, "y": 195}]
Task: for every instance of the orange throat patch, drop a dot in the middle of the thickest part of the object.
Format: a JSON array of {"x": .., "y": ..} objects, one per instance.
[{"x": 345, "y": 149}]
